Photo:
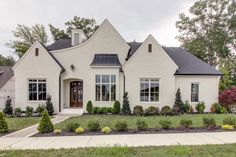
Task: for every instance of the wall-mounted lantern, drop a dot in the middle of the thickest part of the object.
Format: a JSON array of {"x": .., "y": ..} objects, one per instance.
[{"x": 72, "y": 67}]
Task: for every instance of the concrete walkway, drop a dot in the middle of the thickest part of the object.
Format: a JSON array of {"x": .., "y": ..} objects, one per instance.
[
  {"x": 117, "y": 140},
  {"x": 27, "y": 132}
]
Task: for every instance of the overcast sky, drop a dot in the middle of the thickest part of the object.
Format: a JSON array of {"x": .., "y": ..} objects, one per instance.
[{"x": 134, "y": 19}]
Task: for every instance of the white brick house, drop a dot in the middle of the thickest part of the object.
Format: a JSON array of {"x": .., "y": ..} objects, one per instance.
[{"x": 101, "y": 68}]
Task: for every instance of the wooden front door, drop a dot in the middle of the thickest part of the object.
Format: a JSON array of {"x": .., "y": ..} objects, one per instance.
[{"x": 76, "y": 94}]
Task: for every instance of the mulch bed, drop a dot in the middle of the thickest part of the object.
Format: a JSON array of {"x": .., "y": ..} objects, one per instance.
[
  {"x": 3, "y": 134},
  {"x": 134, "y": 131}
]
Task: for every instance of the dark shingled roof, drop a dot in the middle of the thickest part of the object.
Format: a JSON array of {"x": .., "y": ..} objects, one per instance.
[
  {"x": 60, "y": 44},
  {"x": 106, "y": 60},
  {"x": 6, "y": 73}
]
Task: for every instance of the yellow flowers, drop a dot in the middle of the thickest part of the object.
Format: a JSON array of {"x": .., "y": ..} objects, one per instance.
[
  {"x": 227, "y": 127},
  {"x": 106, "y": 130},
  {"x": 79, "y": 130}
]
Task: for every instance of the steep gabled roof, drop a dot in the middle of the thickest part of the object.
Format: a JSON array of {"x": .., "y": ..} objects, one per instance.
[
  {"x": 6, "y": 73},
  {"x": 106, "y": 60},
  {"x": 60, "y": 44}
]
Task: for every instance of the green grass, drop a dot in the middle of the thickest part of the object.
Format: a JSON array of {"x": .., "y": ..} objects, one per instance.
[
  {"x": 152, "y": 121},
  {"x": 15, "y": 124},
  {"x": 171, "y": 151}
]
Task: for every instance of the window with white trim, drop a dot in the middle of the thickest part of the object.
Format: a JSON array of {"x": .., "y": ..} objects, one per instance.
[
  {"x": 37, "y": 89},
  {"x": 105, "y": 87},
  {"x": 194, "y": 92},
  {"x": 149, "y": 90}
]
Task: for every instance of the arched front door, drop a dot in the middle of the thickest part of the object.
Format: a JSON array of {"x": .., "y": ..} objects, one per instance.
[{"x": 76, "y": 94}]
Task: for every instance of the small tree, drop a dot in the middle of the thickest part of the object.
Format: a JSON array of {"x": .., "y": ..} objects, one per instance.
[
  {"x": 89, "y": 107},
  {"x": 8, "y": 108},
  {"x": 179, "y": 105},
  {"x": 116, "y": 107},
  {"x": 3, "y": 124},
  {"x": 45, "y": 124},
  {"x": 49, "y": 105},
  {"x": 126, "y": 108}
]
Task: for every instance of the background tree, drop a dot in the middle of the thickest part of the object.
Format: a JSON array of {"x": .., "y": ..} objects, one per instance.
[
  {"x": 209, "y": 32},
  {"x": 26, "y": 36},
  {"x": 57, "y": 33},
  {"x": 7, "y": 61}
]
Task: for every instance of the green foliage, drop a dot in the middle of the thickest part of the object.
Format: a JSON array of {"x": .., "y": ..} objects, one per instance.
[
  {"x": 103, "y": 110},
  {"x": 126, "y": 107},
  {"x": 151, "y": 110},
  {"x": 17, "y": 112},
  {"x": 166, "y": 111},
  {"x": 229, "y": 121},
  {"x": 96, "y": 110},
  {"x": 209, "y": 122},
  {"x": 106, "y": 130},
  {"x": 226, "y": 81},
  {"x": 29, "y": 111},
  {"x": 165, "y": 124},
  {"x": 57, "y": 33},
  {"x": 186, "y": 123},
  {"x": 110, "y": 109},
  {"x": 138, "y": 110},
  {"x": 7, "y": 61},
  {"x": 121, "y": 126},
  {"x": 186, "y": 107},
  {"x": 141, "y": 125},
  {"x": 200, "y": 107},
  {"x": 89, "y": 107},
  {"x": 8, "y": 107},
  {"x": 218, "y": 108},
  {"x": 49, "y": 105},
  {"x": 179, "y": 105},
  {"x": 72, "y": 126},
  {"x": 40, "y": 109},
  {"x": 45, "y": 124},
  {"x": 116, "y": 107},
  {"x": 3, "y": 124},
  {"x": 93, "y": 125}
]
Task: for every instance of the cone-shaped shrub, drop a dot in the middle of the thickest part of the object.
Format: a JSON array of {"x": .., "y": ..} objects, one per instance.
[
  {"x": 3, "y": 124},
  {"x": 8, "y": 107},
  {"x": 49, "y": 105},
  {"x": 89, "y": 107},
  {"x": 45, "y": 125},
  {"x": 126, "y": 108}
]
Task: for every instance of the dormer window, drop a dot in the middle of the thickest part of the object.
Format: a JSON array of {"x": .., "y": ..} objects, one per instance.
[
  {"x": 76, "y": 38},
  {"x": 149, "y": 47},
  {"x": 36, "y": 51}
]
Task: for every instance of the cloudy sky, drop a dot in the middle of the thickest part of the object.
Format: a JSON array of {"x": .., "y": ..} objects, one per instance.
[{"x": 134, "y": 19}]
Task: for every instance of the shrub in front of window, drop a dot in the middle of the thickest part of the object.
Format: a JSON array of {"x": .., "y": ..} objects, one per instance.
[
  {"x": 151, "y": 110},
  {"x": 40, "y": 109},
  {"x": 178, "y": 105},
  {"x": 200, "y": 107},
  {"x": 49, "y": 105},
  {"x": 79, "y": 130},
  {"x": 209, "y": 122},
  {"x": 103, "y": 110},
  {"x": 72, "y": 126},
  {"x": 45, "y": 124},
  {"x": 110, "y": 110},
  {"x": 186, "y": 123},
  {"x": 89, "y": 107},
  {"x": 186, "y": 107},
  {"x": 96, "y": 110},
  {"x": 106, "y": 130},
  {"x": 116, "y": 107},
  {"x": 126, "y": 107},
  {"x": 166, "y": 111},
  {"x": 138, "y": 110},
  {"x": 29, "y": 111},
  {"x": 8, "y": 107},
  {"x": 121, "y": 126},
  {"x": 3, "y": 124},
  {"x": 93, "y": 126},
  {"x": 17, "y": 112},
  {"x": 141, "y": 125},
  {"x": 165, "y": 124},
  {"x": 229, "y": 121}
]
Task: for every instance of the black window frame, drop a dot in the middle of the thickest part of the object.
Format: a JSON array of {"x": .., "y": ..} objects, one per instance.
[
  {"x": 37, "y": 89},
  {"x": 195, "y": 92}
]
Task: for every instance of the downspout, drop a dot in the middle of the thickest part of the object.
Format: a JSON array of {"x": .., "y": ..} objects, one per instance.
[{"x": 60, "y": 92}]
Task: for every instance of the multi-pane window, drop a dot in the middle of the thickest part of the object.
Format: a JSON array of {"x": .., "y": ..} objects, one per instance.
[
  {"x": 194, "y": 92},
  {"x": 37, "y": 89},
  {"x": 105, "y": 87},
  {"x": 149, "y": 90}
]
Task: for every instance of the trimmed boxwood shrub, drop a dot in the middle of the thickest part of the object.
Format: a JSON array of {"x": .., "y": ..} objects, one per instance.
[
  {"x": 45, "y": 124},
  {"x": 138, "y": 110},
  {"x": 116, "y": 107},
  {"x": 166, "y": 110},
  {"x": 17, "y": 112},
  {"x": 186, "y": 123},
  {"x": 151, "y": 110},
  {"x": 72, "y": 126},
  {"x": 3, "y": 124},
  {"x": 93, "y": 125},
  {"x": 121, "y": 126},
  {"x": 29, "y": 111},
  {"x": 200, "y": 107},
  {"x": 229, "y": 121},
  {"x": 109, "y": 110},
  {"x": 165, "y": 124},
  {"x": 89, "y": 107},
  {"x": 141, "y": 125},
  {"x": 209, "y": 122},
  {"x": 103, "y": 110},
  {"x": 40, "y": 109},
  {"x": 96, "y": 110}
]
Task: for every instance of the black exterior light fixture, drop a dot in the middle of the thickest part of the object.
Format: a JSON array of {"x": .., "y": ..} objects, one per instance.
[{"x": 72, "y": 67}]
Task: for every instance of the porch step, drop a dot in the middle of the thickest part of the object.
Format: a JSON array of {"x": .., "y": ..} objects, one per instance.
[{"x": 72, "y": 111}]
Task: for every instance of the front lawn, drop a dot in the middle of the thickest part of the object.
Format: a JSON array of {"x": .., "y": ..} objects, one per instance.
[
  {"x": 152, "y": 121},
  {"x": 171, "y": 151}
]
